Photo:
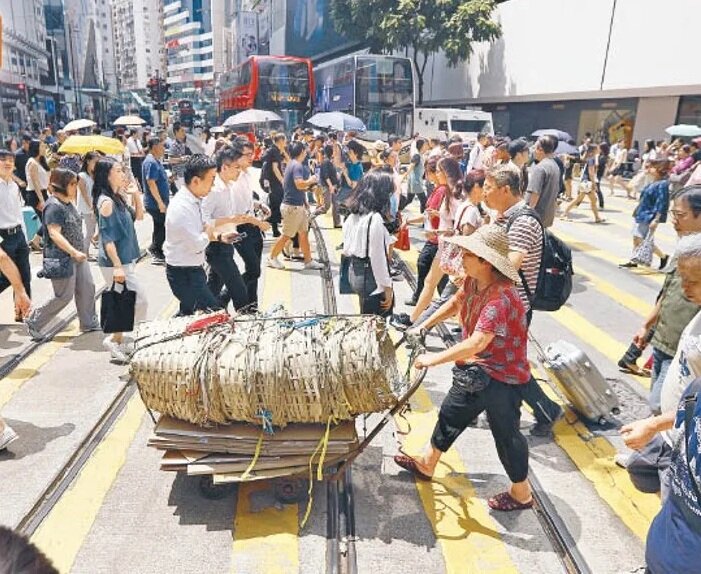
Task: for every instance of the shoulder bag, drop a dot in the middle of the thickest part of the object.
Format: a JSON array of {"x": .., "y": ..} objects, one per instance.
[{"x": 362, "y": 279}]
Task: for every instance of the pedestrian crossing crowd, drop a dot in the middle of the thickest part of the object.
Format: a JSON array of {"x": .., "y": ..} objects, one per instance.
[{"x": 487, "y": 213}]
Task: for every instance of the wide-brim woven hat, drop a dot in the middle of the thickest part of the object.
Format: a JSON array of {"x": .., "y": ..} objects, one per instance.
[{"x": 491, "y": 243}]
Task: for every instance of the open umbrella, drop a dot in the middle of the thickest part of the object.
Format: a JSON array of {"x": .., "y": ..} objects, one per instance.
[
  {"x": 566, "y": 148},
  {"x": 83, "y": 144},
  {"x": 684, "y": 131},
  {"x": 217, "y": 129},
  {"x": 129, "y": 121},
  {"x": 337, "y": 121},
  {"x": 559, "y": 134},
  {"x": 252, "y": 116},
  {"x": 76, "y": 125}
]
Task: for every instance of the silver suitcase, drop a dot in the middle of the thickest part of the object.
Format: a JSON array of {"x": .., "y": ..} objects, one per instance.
[{"x": 579, "y": 380}]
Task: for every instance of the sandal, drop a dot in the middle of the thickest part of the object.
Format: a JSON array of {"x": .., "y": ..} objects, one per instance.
[
  {"x": 507, "y": 503},
  {"x": 408, "y": 463}
]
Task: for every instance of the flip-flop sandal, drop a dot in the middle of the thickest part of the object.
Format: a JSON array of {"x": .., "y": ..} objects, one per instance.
[
  {"x": 408, "y": 463},
  {"x": 507, "y": 503}
]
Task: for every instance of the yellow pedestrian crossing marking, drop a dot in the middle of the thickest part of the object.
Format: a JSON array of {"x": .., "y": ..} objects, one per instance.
[
  {"x": 63, "y": 531},
  {"x": 268, "y": 537}
]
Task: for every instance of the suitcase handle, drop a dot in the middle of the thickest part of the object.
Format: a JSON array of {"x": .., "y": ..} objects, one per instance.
[{"x": 541, "y": 353}]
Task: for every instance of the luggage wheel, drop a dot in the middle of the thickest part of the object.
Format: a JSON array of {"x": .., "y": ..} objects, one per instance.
[
  {"x": 212, "y": 491},
  {"x": 615, "y": 411},
  {"x": 291, "y": 490}
]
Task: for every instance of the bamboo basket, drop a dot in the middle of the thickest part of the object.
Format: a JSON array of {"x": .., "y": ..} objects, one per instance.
[{"x": 258, "y": 369}]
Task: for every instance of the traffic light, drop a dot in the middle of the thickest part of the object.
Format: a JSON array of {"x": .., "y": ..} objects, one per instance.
[
  {"x": 22, "y": 93},
  {"x": 152, "y": 88},
  {"x": 33, "y": 95},
  {"x": 165, "y": 91}
]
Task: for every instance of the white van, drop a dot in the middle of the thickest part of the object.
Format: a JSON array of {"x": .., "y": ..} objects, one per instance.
[{"x": 444, "y": 123}]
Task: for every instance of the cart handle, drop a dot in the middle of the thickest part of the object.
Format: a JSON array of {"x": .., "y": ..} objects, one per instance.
[{"x": 416, "y": 383}]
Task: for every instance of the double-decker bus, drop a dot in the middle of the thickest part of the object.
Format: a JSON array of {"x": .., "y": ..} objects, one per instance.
[
  {"x": 186, "y": 113},
  {"x": 280, "y": 84},
  {"x": 377, "y": 89}
]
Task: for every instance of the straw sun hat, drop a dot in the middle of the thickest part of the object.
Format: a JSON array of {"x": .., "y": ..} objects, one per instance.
[{"x": 491, "y": 243}]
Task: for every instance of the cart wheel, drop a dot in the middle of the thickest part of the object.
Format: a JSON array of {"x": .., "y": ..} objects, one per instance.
[
  {"x": 212, "y": 491},
  {"x": 291, "y": 490}
]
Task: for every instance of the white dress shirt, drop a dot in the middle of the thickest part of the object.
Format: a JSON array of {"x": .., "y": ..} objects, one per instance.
[
  {"x": 219, "y": 203},
  {"x": 186, "y": 239},
  {"x": 243, "y": 195},
  {"x": 10, "y": 205},
  {"x": 134, "y": 146},
  {"x": 355, "y": 238}
]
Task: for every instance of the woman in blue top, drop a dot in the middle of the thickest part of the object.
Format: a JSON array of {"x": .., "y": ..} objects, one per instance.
[
  {"x": 351, "y": 172},
  {"x": 118, "y": 246},
  {"x": 652, "y": 209}
]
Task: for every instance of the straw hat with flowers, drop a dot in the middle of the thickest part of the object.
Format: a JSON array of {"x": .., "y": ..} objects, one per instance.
[{"x": 491, "y": 243}]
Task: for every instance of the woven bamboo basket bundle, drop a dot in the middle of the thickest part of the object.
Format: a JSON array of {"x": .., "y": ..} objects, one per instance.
[{"x": 279, "y": 369}]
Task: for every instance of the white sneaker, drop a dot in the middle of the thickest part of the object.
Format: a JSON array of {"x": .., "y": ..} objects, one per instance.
[
  {"x": 314, "y": 265},
  {"x": 115, "y": 350},
  {"x": 6, "y": 437},
  {"x": 275, "y": 264}
]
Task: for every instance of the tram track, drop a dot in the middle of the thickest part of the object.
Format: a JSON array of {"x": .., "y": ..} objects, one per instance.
[
  {"x": 551, "y": 522},
  {"x": 340, "y": 504}
]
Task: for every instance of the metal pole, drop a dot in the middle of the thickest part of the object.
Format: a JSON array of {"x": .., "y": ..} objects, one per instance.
[{"x": 76, "y": 92}]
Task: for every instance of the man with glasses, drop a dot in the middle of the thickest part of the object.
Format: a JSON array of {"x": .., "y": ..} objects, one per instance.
[
  {"x": 12, "y": 238},
  {"x": 672, "y": 311},
  {"x": 250, "y": 248}
]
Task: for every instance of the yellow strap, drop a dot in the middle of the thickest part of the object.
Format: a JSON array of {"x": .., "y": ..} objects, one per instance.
[
  {"x": 259, "y": 447},
  {"x": 322, "y": 444}
]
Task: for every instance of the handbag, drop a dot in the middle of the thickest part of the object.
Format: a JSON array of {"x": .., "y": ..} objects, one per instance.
[
  {"x": 360, "y": 268},
  {"x": 56, "y": 268},
  {"x": 403, "y": 242},
  {"x": 117, "y": 309},
  {"x": 344, "y": 286},
  {"x": 642, "y": 254}
]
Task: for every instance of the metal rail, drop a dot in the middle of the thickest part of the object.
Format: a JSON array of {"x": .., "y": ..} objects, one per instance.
[
  {"x": 340, "y": 506},
  {"x": 552, "y": 523}
]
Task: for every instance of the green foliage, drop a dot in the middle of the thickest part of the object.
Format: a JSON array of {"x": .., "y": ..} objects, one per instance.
[{"x": 423, "y": 26}]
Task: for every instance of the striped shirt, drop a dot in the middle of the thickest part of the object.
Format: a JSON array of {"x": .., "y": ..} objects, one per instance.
[{"x": 525, "y": 236}]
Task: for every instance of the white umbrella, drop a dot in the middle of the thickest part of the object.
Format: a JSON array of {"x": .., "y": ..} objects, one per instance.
[
  {"x": 338, "y": 121},
  {"x": 217, "y": 129},
  {"x": 252, "y": 116},
  {"x": 684, "y": 131},
  {"x": 129, "y": 121},
  {"x": 76, "y": 125}
]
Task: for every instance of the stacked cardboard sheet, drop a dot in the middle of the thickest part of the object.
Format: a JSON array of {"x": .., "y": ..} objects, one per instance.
[{"x": 228, "y": 451}]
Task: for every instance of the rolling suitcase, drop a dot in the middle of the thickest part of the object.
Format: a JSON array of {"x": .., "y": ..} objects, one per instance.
[
  {"x": 32, "y": 223},
  {"x": 579, "y": 380}
]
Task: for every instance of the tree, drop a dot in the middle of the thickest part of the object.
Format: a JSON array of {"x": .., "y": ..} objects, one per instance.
[{"x": 422, "y": 26}]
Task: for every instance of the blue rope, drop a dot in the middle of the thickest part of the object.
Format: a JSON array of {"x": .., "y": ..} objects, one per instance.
[{"x": 266, "y": 419}]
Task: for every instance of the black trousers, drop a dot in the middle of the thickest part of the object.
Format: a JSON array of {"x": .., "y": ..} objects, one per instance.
[
  {"x": 423, "y": 266},
  {"x": 503, "y": 405},
  {"x": 223, "y": 271},
  {"x": 189, "y": 285},
  {"x": 251, "y": 251},
  {"x": 15, "y": 245},
  {"x": 409, "y": 197},
  {"x": 274, "y": 202},
  {"x": 159, "y": 232}
]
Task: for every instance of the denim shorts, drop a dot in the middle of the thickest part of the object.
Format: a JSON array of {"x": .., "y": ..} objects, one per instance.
[{"x": 640, "y": 229}]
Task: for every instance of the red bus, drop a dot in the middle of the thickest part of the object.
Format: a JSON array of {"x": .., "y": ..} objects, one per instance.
[
  {"x": 280, "y": 84},
  {"x": 186, "y": 113}
]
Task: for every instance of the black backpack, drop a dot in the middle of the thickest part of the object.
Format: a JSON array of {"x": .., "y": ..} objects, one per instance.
[{"x": 554, "y": 283}]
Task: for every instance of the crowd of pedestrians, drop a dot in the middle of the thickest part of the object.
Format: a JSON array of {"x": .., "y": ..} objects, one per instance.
[{"x": 484, "y": 212}]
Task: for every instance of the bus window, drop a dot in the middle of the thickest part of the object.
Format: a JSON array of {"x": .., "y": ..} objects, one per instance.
[{"x": 443, "y": 126}]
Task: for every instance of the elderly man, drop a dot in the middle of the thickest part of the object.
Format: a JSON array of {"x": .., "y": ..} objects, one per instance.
[
  {"x": 491, "y": 364},
  {"x": 501, "y": 193}
]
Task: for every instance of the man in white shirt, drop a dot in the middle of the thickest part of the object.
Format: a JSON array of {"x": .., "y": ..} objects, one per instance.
[
  {"x": 250, "y": 248},
  {"x": 219, "y": 208},
  {"x": 187, "y": 237},
  {"x": 14, "y": 243},
  {"x": 478, "y": 153}
]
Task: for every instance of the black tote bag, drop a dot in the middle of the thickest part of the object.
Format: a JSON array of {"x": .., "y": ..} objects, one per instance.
[{"x": 117, "y": 309}]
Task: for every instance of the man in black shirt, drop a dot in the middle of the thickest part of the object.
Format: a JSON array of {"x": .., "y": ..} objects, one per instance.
[{"x": 21, "y": 158}]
